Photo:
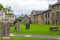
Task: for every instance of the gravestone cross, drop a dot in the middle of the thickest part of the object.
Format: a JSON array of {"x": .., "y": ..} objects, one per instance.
[{"x": 5, "y": 24}]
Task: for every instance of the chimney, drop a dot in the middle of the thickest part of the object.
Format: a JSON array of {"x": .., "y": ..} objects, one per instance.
[
  {"x": 58, "y": 0},
  {"x": 50, "y": 6}
]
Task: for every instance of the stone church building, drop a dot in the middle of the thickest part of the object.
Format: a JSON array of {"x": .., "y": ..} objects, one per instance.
[{"x": 50, "y": 16}]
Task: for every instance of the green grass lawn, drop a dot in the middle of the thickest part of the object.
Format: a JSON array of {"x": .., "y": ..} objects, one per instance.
[
  {"x": 36, "y": 29},
  {"x": 27, "y": 38}
]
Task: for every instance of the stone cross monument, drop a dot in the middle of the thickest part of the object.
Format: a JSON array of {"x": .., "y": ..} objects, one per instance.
[{"x": 5, "y": 24}]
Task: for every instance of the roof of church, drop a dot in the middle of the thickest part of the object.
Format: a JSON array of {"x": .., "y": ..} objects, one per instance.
[
  {"x": 37, "y": 12},
  {"x": 55, "y": 4},
  {"x": 46, "y": 10}
]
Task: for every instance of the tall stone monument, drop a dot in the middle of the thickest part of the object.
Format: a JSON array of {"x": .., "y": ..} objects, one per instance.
[{"x": 6, "y": 21}]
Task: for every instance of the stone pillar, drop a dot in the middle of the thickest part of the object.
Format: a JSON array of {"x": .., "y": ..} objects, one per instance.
[{"x": 5, "y": 29}]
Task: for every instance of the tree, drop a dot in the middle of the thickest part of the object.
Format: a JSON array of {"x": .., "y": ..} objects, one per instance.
[
  {"x": 5, "y": 10},
  {"x": 9, "y": 9},
  {"x": 1, "y": 7}
]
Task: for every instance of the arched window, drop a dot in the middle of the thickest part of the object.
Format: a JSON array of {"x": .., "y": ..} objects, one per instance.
[
  {"x": 46, "y": 15},
  {"x": 53, "y": 22},
  {"x": 48, "y": 22},
  {"x": 45, "y": 22},
  {"x": 56, "y": 22},
  {"x": 58, "y": 15}
]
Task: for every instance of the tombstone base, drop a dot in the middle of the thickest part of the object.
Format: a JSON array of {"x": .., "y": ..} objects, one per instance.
[{"x": 5, "y": 37}]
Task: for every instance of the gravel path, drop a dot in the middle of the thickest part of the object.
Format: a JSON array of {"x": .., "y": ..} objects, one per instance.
[{"x": 36, "y": 36}]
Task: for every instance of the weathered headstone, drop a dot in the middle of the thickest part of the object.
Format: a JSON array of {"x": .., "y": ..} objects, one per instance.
[
  {"x": 5, "y": 22},
  {"x": 5, "y": 29},
  {"x": 27, "y": 25},
  {"x": 17, "y": 26}
]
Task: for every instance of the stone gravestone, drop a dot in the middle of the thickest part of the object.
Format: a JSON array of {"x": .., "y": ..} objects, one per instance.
[
  {"x": 5, "y": 23},
  {"x": 5, "y": 29},
  {"x": 54, "y": 28},
  {"x": 27, "y": 25},
  {"x": 17, "y": 26}
]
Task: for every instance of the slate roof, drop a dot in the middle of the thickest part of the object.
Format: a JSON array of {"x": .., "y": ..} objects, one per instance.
[
  {"x": 55, "y": 4},
  {"x": 37, "y": 12},
  {"x": 46, "y": 10}
]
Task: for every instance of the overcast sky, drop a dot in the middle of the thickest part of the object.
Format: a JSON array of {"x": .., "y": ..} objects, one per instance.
[{"x": 25, "y": 6}]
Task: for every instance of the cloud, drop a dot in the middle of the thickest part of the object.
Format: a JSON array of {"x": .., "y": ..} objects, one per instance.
[
  {"x": 51, "y": 0},
  {"x": 25, "y": 6}
]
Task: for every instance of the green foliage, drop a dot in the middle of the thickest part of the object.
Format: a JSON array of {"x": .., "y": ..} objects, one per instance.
[
  {"x": 30, "y": 21},
  {"x": 9, "y": 9},
  {"x": 1, "y": 7},
  {"x": 6, "y": 10}
]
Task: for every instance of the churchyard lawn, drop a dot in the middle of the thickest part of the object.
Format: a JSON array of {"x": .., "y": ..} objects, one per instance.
[
  {"x": 27, "y": 38},
  {"x": 36, "y": 29}
]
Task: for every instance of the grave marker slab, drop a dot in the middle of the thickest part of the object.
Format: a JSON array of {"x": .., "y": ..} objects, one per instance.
[
  {"x": 17, "y": 26},
  {"x": 27, "y": 25},
  {"x": 54, "y": 28}
]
